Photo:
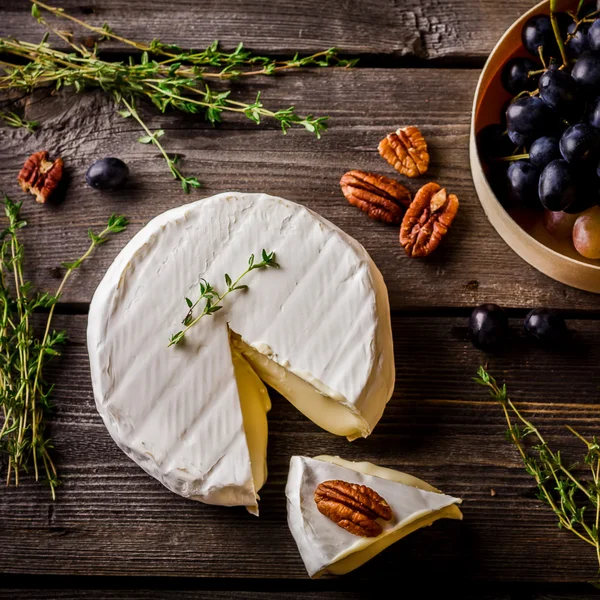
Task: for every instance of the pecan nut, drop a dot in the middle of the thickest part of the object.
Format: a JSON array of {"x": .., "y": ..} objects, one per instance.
[
  {"x": 427, "y": 220},
  {"x": 353, "y": 507},
  {"x": 40, "y": 176},
  {"x": 382, "y": 198},
  {"x": 406, "y": 151}
]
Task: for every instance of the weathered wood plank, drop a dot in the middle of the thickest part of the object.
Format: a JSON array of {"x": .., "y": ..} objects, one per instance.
[
  {"x": 414, "y": 28},
  {"x": 113, "y": 519},
  {"x": 145, "y": 594},
  {"x": 473, "y": 265}
]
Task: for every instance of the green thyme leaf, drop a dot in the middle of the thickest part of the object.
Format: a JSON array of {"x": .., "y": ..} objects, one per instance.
[{"x": 213, "y": 300}]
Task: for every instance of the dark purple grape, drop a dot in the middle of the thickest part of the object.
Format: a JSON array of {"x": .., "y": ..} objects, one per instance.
[
  {"x": 523, "y": 180},
  {"x": 557, "y": 189},
  {"x": 107, "y": 174},
  {"x": 543, "y": 151},
  {"x": 580, "y": 145},
  {"x": 493, "y": 142},
  {"x": 586, "y": 72},
  {"x": 546, "y": 326},
  {"x": 503, "y": 112},
  {"x": 578, "y": 44},
  {"x": 518, "y": 139},
  {"x": 529, "y": 117},
  {"x": 515, "y": 75},
  {"x": 488, "y": 327},
  {"x": 538, "y": 31},
  {"x": 560, "y": 92},
  {"x": 594, "y": 113},
  {"x": 594, "y": 36}
]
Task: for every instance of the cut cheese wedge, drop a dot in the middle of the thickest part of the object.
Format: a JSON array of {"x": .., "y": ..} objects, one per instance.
[
  {"x": 317, "y": 330},
  {"x": 327, "y": 548}
]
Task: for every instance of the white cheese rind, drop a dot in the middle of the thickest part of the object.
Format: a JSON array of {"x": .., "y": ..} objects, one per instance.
[
  {"x": 323, "y": 316},
  {"x": 326, "y": 547}
]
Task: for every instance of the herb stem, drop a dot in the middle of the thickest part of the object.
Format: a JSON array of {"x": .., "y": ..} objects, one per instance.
[
  {"x": 167, "y": 83},
  {"x": 555, "y": 28},
  {"x": 103, "y": 32},
  {"x": 25, "y": 396},
  {"x": 548, "y": 466},
  {"x": 134, "y": 113},
  {"x": 214, "y": 299},
  {"x": 535, "y": 430}
]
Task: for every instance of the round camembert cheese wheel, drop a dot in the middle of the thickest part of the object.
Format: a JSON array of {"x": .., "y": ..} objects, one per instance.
[{"x": 317, "y": 330}]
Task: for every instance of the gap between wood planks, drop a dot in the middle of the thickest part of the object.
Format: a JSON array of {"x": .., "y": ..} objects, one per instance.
[{"x": 294, "y": 589}]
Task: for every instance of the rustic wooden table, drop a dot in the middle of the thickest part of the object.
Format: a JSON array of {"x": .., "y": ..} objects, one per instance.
[{"x": 113, "y": 527}]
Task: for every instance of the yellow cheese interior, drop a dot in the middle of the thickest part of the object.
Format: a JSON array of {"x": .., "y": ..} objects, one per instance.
[
  {"x": 255, "y": 404},
  {"x": 327, "y": 412},
  {"x": 366, "y": 548}
]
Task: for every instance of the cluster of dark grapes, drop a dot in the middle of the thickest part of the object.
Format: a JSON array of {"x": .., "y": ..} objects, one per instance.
[{"x": 546, "y": 151}]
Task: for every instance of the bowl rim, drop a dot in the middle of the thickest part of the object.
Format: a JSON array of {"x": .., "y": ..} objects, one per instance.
[{"x": 475, "y": 155}]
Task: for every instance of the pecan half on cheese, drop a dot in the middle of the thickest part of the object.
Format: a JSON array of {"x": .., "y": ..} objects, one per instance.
[
  {"x": 41, "y": 176},
  {"x": 427, "y": 220},
  {"x": 406, "y": 151},
  {"x": 382, "y": 198},
  {"x": 353, "y": 507}
]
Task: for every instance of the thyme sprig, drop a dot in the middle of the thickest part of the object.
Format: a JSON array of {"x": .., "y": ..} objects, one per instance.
[
  {"x": 165, "y": 74},
  {"x": 14, "y": 120},
  {"x": 24, "y": 395},
  {"x": 212, "y": 297},
  {"x": 567, "y": 494}
]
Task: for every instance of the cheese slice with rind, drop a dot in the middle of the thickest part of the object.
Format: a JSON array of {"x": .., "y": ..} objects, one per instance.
[
  {"x": 317, "y": 330},
  {"x": 327, "y": 548}
]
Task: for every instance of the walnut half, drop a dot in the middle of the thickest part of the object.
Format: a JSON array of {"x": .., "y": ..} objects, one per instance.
[
  {"x": 40, "y": 176},
  {"x": 353, "y": 507}
]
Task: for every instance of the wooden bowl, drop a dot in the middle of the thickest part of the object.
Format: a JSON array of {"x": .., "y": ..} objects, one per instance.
[{"x": 523, "y": 231}]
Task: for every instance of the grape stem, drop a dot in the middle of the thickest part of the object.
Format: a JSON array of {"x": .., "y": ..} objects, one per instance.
[
  {"x": 541, "y": 55},
  {"x": 513, "y": 157},
  {"x": 554, "y": 21}
]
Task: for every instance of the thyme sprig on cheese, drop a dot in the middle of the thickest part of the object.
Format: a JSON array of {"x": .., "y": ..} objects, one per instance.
[
  {"x": 571, "y": 497},
  {"x": 165, "y": 74},
  {"x": 24, "y": 395},
  {"x": 212, "y": 297}
]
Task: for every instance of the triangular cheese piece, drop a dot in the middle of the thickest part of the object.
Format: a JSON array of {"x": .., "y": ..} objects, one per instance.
[{"x": 326, "y": 547}]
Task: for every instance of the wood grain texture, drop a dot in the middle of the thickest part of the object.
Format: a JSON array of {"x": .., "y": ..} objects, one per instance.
[
  {"x": 423, "y": 29},
  {"x": 146, "y": 594},
  {"x": 113, "y": 519},
  {"x": 473, "y": 265}
]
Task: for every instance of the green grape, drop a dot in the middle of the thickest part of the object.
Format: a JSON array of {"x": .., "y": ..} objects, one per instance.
[{"x": 586, "y": 233}]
